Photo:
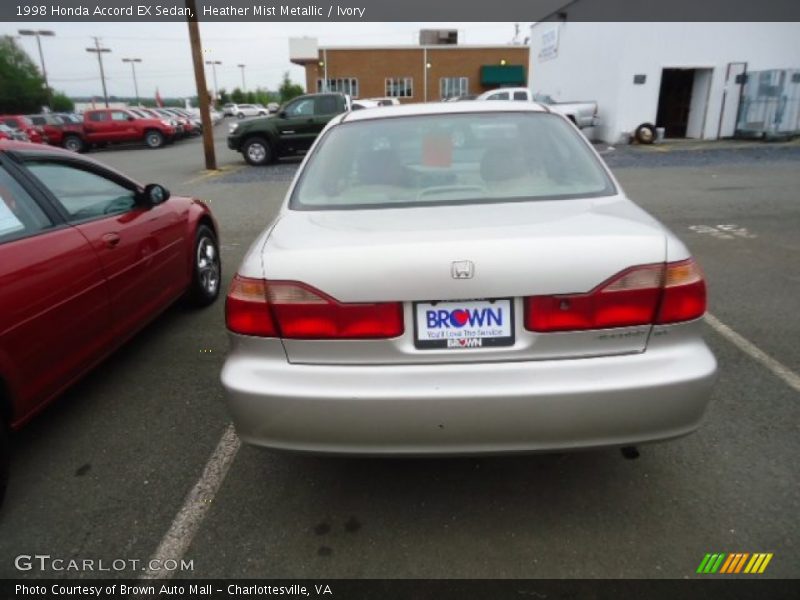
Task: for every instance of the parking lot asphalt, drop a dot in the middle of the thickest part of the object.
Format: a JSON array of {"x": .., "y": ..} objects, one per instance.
[{"x": 104, "y": 471}]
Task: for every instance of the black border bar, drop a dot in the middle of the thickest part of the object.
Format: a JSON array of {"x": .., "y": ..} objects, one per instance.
[
  {"x": 730, "y": 588},
  {"x": 526, "y": 11}
]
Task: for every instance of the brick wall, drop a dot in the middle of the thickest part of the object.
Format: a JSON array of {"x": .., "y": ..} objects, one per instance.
[{"x": 371, "y": 66}]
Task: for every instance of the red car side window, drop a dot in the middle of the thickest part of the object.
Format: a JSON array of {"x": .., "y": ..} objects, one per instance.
[{"x": 20, "y": 216}]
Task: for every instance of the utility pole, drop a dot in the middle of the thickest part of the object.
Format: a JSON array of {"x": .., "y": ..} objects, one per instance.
[
  {"x": 38, "y": 33},
  {"x": 244, "y": 87},
  {"x": 202, "y": 87},
  {"x": 214, "y": 64},
  {"x": 100, "y": 52},
  {"x": 133, "y": 62}
]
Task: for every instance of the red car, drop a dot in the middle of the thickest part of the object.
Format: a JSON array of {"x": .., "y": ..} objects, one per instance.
[
  {"x": 22, "y": 123},
  {"x": 87, "y": 258},
  {"x": 114, "y": 125},
  {"x": 60, "y": 132}
]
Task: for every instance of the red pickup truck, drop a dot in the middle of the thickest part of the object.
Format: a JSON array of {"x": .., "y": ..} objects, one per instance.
[{"x": 115, "y": 125}]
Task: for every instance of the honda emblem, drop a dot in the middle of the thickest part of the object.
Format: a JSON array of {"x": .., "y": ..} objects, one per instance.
[{"x": 462, "y": 269}]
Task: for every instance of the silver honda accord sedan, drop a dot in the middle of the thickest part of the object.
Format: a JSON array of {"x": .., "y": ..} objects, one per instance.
[{"x": 463, "y": 278}]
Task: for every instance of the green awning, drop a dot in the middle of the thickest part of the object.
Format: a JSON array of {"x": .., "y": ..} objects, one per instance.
[{"x": 498, "y": 75}]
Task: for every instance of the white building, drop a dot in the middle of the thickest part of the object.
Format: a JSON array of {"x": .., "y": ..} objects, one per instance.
[{"x": 686, "y": 77}]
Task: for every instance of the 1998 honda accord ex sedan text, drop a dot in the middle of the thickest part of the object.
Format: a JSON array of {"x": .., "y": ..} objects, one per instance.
[{"x": 463, "y": 278}]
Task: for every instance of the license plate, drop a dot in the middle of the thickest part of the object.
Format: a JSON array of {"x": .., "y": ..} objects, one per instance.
[{"x": 464, "y": 324}]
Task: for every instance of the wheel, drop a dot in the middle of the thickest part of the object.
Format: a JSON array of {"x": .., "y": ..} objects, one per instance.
[
  {"x": 261, "y": 113},
  {"x": 154, "y": 139},
  {"x": 5, "y": 451},
  {"x": 73, "y": 143},
  {"x": 257, "y": 152},
  {"x": 645, "y": 133},
  {"x": 206, "y": 270},
  {"x": 240, "y": 116}
]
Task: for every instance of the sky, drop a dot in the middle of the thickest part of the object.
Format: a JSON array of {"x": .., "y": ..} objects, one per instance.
[{"x": 166, "y": 56}]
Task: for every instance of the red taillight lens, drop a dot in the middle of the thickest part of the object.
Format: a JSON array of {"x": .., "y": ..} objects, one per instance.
[
  {"x": 296, "y": 311},
  {"x": 638, "y": 296},
  {"x": 684, "y": 296},
  {"x": 246, "y": 308}
]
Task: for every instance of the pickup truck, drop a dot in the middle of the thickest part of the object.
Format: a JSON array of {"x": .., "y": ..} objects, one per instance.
[
  {"x": 289, "y": 132},
  {"x": 114, "y": 125},
  {"x": 583, "y": 114}
]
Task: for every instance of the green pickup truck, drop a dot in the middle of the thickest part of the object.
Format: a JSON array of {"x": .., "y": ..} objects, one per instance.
[{"x": 288, "y": 132}]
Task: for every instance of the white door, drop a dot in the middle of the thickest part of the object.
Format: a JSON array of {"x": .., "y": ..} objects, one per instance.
[{"x": 730, "y": 99}]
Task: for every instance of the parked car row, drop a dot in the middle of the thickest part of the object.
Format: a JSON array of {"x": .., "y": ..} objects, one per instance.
[
  {"x": 296, "y": 124},
  {"x": 99, "y": 127}
]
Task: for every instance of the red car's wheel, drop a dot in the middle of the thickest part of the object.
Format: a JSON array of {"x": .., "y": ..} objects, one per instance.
[{"x": 207, "y": 268}]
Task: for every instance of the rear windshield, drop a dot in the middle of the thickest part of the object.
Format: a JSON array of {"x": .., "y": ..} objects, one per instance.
[{"x": 449, "y": 159}]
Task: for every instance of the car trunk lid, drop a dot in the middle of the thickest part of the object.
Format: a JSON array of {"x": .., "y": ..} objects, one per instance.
[{"x": 512, "y": 250}]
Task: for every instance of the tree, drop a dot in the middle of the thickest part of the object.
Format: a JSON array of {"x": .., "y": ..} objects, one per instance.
[
  {"x": 223, "y": 96},
  {"x": 264, "y": 97},
  {"x": 62, "y": 103},
  {"x": 289, "y": 90},
  {"x": 251, "y": 97},
  {"x": 237, "y": 96},
  {"x": 21, "y": 85}
]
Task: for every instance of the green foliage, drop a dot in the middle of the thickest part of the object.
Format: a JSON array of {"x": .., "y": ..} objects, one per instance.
[
  {"x": 237, "y": 96},
  {"x": 250, "y": 97},
  {"x": 289, "y": 90},
  {"x": 21, "y": 85},
  {"x": 263, "y": 96},
  {"x": 62, "y": 103},
  {"x": 224, "y": 96}
]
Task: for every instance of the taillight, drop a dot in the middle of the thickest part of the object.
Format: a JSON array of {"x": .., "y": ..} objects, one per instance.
[
  {"x": 246, "y": 308},
  {"x": 294, "y": 310},
  {"x": 684, "y": 295},
  {"x": 639, "y": 296}
]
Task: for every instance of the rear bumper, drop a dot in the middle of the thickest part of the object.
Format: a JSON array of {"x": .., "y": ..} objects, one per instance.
[{"x": 467, "y": 408}]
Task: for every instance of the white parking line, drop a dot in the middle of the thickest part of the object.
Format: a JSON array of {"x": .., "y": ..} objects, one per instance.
[
  {"x": 791, "y": 378},
  {"x": 195, "y": 506}
]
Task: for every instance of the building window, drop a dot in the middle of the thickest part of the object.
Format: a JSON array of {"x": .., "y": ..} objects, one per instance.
[
  {"x": 453, "y": 87},
  {"x": 345, "y": 85},
  {"x": 400, "y": 87}
]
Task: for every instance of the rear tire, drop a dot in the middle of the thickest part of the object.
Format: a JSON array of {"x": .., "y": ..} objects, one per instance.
[
  {"x": 73, "y": 143},
  {"x": 240, "y": 116},
  {"x": 257, "y": 151},
  {"x": 154, "y": 139},
  {"x": 206, "y": 268}
]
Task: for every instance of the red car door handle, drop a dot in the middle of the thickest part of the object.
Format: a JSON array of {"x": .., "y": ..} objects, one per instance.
[{"x": 111, "y": 239}]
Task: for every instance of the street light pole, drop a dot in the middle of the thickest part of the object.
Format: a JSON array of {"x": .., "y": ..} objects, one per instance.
[
  {"x": 244, "y": 87},
  {"x": 100, "y": 52},
  {"x": 38, "y": 33},
  {"x": 133, "y": 62},
  {"x": 214, "y": 64}
]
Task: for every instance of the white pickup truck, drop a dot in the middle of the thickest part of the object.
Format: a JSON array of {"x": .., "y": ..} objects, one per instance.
[{"x": 583, "y": 114}]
